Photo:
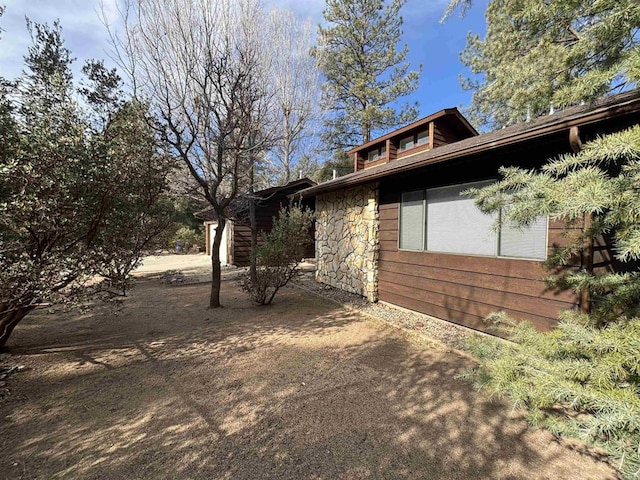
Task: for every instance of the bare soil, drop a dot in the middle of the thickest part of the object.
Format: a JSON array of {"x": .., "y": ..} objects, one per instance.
[{"x": 156, "y": 386}]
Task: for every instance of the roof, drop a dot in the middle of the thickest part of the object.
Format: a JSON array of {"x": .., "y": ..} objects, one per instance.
[
  {"x": 609, "y": 107},
  {"x": 209, "y": 214},
  {"x": 294, "y": 184},
  {"x": 451, "y": 113}
]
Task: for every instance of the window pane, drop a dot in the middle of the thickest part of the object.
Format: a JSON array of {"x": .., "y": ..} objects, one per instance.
[
  {"x": 377, "y": 154},
  {"x": 412, "y": 221},
  {"x": 456, "y": 225},
  {"x": 524, "y": 242},
  {"x": 423, "y": 138},
  {"x": 406, "y": 143}
]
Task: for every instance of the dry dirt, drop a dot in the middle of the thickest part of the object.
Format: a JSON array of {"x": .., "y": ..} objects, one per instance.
[{"x": 156, "y": 386}]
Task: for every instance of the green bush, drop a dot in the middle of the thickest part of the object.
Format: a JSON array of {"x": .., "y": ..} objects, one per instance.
[
  {"x": 579, "y": 380},
  {"x": 188, "y": 237},
  {"x": 278, "y": 258}
]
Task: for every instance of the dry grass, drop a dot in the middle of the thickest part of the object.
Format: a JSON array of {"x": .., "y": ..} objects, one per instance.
[{"x": 160, "y": 387}]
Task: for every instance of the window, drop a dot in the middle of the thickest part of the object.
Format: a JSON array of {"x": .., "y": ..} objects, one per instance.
[
  {"x": 412, "y": 221},
  {"x": 455, "y": 225},
  {"x": 420, "y": 138},
  {"x": 441, "y": 220},
  {"x": 527, "y": 242},
  {"x": 406, "y": 143},
  {"x": 377, "y": 154}
]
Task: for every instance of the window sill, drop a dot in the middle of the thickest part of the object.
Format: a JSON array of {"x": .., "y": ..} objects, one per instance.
[{"x": 474, "y": 255}]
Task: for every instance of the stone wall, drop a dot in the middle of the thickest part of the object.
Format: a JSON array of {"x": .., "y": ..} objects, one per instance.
[{"x": 347, "y": 240}]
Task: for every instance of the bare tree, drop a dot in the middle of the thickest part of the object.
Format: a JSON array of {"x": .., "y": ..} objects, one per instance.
[
  {"x": 202, "y": 66},
  {"x": 295, "y": 82}
]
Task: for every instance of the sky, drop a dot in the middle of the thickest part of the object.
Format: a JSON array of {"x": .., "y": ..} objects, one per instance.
[{"x": 434, "y": 45}]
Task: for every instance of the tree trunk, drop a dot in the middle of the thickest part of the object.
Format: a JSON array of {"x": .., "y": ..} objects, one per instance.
[
  {"x": 286, "y": 149},
  {"x": 216, "y": 268},
  {"x": 253, "y": 222},
  {"x": 9, "y": 319}
]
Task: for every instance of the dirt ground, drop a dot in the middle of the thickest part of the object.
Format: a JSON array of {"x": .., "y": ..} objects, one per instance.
[{"x": 156, "y": 386}]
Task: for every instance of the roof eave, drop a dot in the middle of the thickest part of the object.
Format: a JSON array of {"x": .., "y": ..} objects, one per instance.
[
  {"x": 430, "y": 118},
  {"x": 629, "y": 104}
]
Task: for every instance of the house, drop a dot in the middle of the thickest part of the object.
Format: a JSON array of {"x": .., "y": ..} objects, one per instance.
[
  {"x": 397, "y": 229},
  {"x": 235, "y": 248}
]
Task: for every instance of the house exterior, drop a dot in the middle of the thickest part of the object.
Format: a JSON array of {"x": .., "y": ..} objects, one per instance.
[
  {"x": 397, "y": 229},
  {"x": 235, "y": 248}
]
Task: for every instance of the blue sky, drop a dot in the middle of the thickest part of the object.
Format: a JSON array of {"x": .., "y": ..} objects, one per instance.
[{"x": 436, "y": 46}]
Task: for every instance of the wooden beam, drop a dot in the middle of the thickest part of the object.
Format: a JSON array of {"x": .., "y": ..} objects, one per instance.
[
  {"x": 431, "y": 133},
  {"x": 587, "y": 261},
  {"x": 574, "y": 139},
  {"x": 587, "y": 246}
]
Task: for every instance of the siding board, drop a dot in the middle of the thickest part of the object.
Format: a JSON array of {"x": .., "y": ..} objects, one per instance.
[
  {"x": 511, "y": 285},
  {"x": 467, "y": 296},
  {"x": 464, "y": 318},
  {"x": 465, "y": 289}
]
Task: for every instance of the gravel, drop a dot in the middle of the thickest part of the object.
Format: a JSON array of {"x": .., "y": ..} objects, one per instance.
[{"x": 432, "y": 328}]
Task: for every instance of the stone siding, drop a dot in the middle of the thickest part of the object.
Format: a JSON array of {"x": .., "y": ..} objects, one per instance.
[{"x": 347, "y": 240}]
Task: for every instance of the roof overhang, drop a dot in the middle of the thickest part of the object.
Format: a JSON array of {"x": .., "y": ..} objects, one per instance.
[
  {"x": 451, "y": 113},
  {"x": 621, "y": 105}
]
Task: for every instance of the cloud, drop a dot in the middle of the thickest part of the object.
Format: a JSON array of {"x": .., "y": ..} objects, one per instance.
[
  {"x": 82, "y": 29},
  {"x": 308, "y": 9}
]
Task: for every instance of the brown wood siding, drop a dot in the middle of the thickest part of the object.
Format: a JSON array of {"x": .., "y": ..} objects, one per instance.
[
  {"x": 413, "y": 151},
  {"x": 392, "y": 151},
  {"x": 443, "y": 134},
  {"x": 266, "y": 210},
  {"x": 380, "y": 161},
  {"x": 464, "y": 289}
]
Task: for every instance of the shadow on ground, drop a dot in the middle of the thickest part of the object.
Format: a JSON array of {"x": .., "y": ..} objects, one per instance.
[{"x": 163, "y": 388}]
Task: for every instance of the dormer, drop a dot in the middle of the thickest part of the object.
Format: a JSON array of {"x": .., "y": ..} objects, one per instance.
[{"x": 440, "y": 128}]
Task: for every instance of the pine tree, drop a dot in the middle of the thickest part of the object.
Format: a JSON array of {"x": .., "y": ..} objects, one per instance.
[
  {"x": 364, "y": 70},
  {"x": 583, "y": 378},
  {"x": 540, "y": 53}
]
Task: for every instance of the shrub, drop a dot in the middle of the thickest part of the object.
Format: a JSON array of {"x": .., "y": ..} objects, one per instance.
[
  {"x": 278, "y": 258},
  {"x": 188, "y": 237},
  {"x": 580, "y": 380}
]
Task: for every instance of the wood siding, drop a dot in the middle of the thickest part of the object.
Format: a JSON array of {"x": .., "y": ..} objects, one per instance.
[
  {"x": 465, "y": 289},
  {"x": 443, "y": 134},
  {"x": 266, "y": 211}
]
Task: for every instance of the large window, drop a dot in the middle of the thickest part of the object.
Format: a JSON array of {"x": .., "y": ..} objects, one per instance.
[{"x": 441, "y": 220}]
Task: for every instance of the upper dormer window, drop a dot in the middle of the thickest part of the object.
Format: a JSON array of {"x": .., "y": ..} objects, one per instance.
[
  {"x": 420, "y": 138},
  {"x": 377, "y": 154}
]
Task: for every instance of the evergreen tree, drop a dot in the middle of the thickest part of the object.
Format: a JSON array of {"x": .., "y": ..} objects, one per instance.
[
  {"x": 365, "y": 72},
  {"x": 540, "y": 53},
  {"x": 341, "y": 163},
  {"x": 583, "y": 378},
  {"x": 81, "y": 184}
]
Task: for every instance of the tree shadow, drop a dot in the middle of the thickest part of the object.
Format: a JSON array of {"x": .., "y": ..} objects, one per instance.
[{"x": 300, "y": 390}]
